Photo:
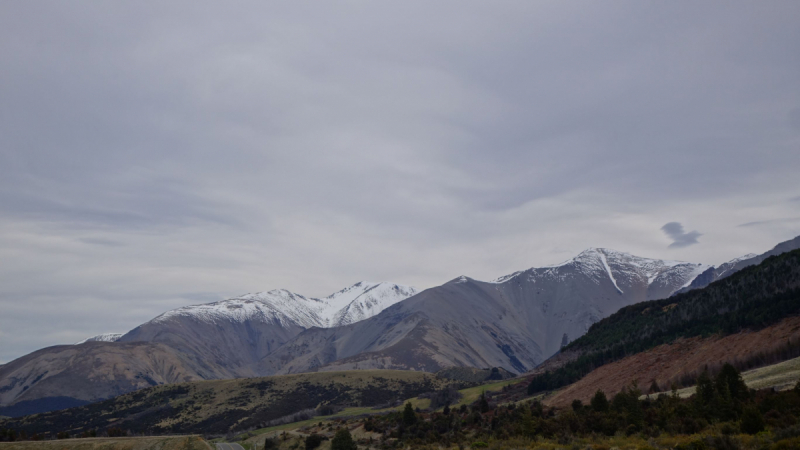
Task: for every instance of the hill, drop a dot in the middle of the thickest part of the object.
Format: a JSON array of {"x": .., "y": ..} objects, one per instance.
[{"x": 220, "y": 406}]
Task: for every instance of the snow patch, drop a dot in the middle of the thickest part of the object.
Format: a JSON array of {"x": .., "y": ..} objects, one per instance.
[
  {"x": 105, "y": 337},
  {"x": 608, "y": 271}
]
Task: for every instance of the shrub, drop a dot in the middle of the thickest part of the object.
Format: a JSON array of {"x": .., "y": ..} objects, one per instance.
[
  {"x": 752, "y": 420},
  {"x": 343, "y": 440},
  {"x": 314, "y": 440}
]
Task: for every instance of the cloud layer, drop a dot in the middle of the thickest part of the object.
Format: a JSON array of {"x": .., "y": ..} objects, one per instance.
[{"x": 157, "y": 155}]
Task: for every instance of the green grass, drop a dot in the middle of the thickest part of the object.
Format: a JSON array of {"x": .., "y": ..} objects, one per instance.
[{"x": 472, "y": 394}]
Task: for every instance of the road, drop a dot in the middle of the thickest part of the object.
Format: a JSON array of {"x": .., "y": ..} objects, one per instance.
[{"x": 229, "y": 447}]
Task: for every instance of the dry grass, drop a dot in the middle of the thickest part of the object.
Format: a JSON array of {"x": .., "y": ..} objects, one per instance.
[{"x": 131, "y": 443}]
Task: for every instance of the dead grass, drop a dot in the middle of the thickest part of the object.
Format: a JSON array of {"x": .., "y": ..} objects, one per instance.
[{"x": 130, "y": 443}]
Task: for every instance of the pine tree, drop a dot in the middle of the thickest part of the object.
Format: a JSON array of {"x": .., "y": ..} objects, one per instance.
[
  {"x": 599, "y": 401},
  {"x": 483, "y": 404},
  {"x": 723, "y": 404},
  {"x": 704, "y": 398},
  {"x": 409, "y": 416},
  {"x": 734, "y": 382}
]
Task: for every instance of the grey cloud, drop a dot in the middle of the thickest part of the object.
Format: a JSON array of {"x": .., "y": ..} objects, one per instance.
[
  {"x": 261, "y": 146},
  {"x": 674, "y": 230},
  {"x": 770, "y": 222}
]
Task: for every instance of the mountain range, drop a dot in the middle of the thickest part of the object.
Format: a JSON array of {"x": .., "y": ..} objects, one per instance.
[{"x": 515, "y": 322}]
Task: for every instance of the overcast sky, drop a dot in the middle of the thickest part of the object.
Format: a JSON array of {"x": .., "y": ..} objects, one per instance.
[{"x": 159, "y": 154}]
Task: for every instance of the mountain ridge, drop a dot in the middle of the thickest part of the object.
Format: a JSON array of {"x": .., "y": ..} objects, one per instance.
[{"x": 514, "y": 322}]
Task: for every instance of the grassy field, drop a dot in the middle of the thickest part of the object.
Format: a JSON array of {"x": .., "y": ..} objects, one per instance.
[
  {"x": 130, "y": 443},
  {"x": 780, "y": 376}
]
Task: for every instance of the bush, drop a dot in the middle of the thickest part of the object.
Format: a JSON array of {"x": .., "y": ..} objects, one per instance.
[
  {"x": 314, "y": 440},
  {"x": 752, "y": 420},
  {"x": 343, "y": 440}
]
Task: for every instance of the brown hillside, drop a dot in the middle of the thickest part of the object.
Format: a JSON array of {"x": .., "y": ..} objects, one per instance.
[{"x": 669, "y": 362}]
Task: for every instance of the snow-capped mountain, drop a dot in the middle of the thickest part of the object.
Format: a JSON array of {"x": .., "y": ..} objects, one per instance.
[
  {"x": 515, "y": 322},
  {"x": 659, "y": 277},
  {"x": 363, "y": 300},
  {"x": 105, "y": 337},
  {"x": 238, "y": 332},
  {"x": 281, "y": 307}
]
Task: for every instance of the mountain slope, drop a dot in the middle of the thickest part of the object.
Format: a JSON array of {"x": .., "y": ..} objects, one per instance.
[
  {"x": 729, "y": 268},
  {"x": 96, "y": 370},
  {"x": 239, "y": 332},
  {"x": 514, "y": 322},
  {"x": 752, "y": 298}
]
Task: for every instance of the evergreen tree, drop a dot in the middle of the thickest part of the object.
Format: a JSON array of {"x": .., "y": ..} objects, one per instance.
[
  {"x": 654, "y": 388},
  {"x": 704, "y": 398},
  {"x": 599, "y": 401},
  {"x": 409, "y": 416},
  {"x": 446, "y": 410},
  {"x": 343, "y": 440},
  {"x": 723, "y": 404},
  {"x": 733, "y": 381},
  {"x": 483, "y": 404}
]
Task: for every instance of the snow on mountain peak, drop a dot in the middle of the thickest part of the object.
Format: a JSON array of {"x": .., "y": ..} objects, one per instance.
[
  {"x": 352, "y": 304},
  {"x": 105, "y": 337},
  {"x": 620, "y": 267}
]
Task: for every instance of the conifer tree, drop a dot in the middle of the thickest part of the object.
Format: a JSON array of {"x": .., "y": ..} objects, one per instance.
[
  {"x": 409, "y": 416},
  {"x": 599, "y": 401}
]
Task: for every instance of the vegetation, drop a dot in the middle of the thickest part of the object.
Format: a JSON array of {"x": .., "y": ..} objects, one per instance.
[
  {"x": 343, "y": 441},
  {"x": 721, "y": 415},
  {"x": 219, "y": 407},
  {"x": 753, "y": 298},
  {"x": 129, "y": 443}
]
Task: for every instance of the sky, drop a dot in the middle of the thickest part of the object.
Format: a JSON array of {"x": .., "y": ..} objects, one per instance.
[{"x": 161, "y": 154}]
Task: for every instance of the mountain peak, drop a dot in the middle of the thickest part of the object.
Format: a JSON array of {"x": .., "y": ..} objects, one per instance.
[{"x": 351, "y": 304}]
